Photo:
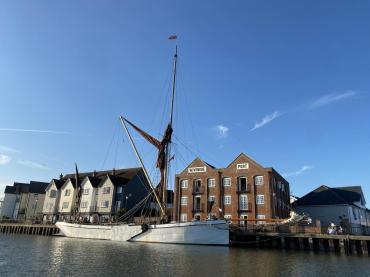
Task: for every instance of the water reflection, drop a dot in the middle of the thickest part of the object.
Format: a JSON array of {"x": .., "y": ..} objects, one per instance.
[{"x": 47, "y": 256}]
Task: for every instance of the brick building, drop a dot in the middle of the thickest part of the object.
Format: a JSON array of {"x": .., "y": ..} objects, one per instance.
[{"x": 242, "y": 190}]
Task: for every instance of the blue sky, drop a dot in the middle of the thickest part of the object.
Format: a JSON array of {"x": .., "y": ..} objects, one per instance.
[{"x": 286, "y": 82}]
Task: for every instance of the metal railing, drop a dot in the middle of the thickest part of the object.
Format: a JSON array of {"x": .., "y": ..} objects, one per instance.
[
  {"x": 198, "y": 190},
  {"x": 244, "y": 188}
]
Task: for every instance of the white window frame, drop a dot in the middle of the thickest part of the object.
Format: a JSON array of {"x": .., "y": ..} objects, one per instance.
[
  {"x": 86, "y": 191},
  {"x": 183, "y": 217},
  {"x": 118, "y": 204},
  {"x": 53, "y": 193},
  {"x": 106, "y": 190},
  {"x": 260, "y": 199},
  {"x": 64, "y": 206},
  {"x": 258, "y": 180},
  {"x": 184, "y": 201},
  {"x": 211, "y": 182},
  {"x": 227, "y": 216},
  {"x": 184, "y": 184},
  {"x": 84, "y": 204},
  {"x": 243, "y": 205},
  {"x": 224, "y": 183},
  {"x": 67, "y": 192},
  {"x": 212, "y": 198},
  {"x": 228, "y": 201},
  {"x": 242, "y": 222},
  {"x": 104, "y": 204},
  {"x": 261, "y": 216}
]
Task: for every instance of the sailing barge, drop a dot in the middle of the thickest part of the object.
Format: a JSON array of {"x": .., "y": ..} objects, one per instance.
[{"x": 207, "y": 232}]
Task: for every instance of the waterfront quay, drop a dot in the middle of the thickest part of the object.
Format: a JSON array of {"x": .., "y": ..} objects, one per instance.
[
  {"x": 29, "y": 229},
  {"x": 341, "y": 244}
]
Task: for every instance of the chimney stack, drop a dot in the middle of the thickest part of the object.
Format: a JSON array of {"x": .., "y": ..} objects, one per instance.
[
  {"x": 114, "y": 171},
  {"x": 94, "y": 173}
]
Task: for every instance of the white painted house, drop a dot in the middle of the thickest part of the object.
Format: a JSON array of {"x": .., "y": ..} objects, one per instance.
[
  {"x": 89, "y": 197},
  {"x": 67, "y": 200},
  {"x": 8, "y": 206},
  {"x": 344, "y": 206},
  {"x": 51, "y": 202}
]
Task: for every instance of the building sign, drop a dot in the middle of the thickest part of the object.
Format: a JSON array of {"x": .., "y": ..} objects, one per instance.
[
  {"x": 197, "y": 169},
  {"x": 242, "y": 166}
]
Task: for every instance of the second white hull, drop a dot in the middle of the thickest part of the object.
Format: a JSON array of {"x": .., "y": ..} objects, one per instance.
[{"x": 199, "y": 232}]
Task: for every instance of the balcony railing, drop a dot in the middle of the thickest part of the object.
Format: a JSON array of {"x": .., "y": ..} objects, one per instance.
[
  {"x": 246, "y": 208},
  {"x": 198, "y": 190},
  {"x": 244, "y": 188},
  {"x": 198, "y": 208}
]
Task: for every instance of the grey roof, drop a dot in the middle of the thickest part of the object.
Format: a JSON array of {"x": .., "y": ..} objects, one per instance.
[
  {"x": 21, "y": 187},
  {"x": 58, "y": 183},
  {"x": 10, "y": 189},
  {"x": 325, "y": 195},
  {"x": 37, "y": 187},
  {"x": 94, "y": 181},
  {"x": 118, "y": 176}
]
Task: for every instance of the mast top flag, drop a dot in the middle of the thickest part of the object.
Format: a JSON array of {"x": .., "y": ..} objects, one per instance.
[{"x": 172, "y": 37}]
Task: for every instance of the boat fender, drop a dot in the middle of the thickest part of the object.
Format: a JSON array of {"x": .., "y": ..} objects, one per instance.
[{"x": 144, "y": 227}]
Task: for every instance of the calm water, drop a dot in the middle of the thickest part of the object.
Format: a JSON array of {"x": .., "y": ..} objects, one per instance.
[{"x": 22, "y": 255}]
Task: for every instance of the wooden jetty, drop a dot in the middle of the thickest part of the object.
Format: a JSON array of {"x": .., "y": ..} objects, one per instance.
[
  {"x": 346, "y": 244},
  {"x": 29, "y": 229}
]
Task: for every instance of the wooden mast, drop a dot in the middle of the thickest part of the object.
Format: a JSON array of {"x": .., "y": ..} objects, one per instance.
[
  {"x": 163, "y": 212},
  {"x": 168, "y": 146}
]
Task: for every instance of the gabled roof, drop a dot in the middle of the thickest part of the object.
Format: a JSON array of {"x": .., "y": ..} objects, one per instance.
[
  {"x": 94, "y": 181},
  {"x": 203, "y": 162},
  {"x": 325, "y": 195},
  {"x": 58, "y": 183},
  {"x": 116, "y": 180},
  {"x": 249, "y": 158},
  {"x": 73, "y": 181}
]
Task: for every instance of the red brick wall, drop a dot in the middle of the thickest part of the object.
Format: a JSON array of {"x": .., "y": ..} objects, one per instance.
[{"x": 270, "y": 190}]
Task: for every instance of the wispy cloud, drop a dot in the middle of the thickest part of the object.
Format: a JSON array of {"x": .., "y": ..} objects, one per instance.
[
  {"x": 298, "y": 172},
  {"x": 331, "y": 98},
  {"x": 32, "y": 164},
  {"x": 4, "y": 159},
  {"x": 222, "y": 131},
  {"x": 8, "y": 149},
  {"x": 34, "y": 131},
  {"x": 266, "y": 119}
]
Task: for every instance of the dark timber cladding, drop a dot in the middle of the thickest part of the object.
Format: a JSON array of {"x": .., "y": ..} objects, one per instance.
[{"x": 242, "y": 190}]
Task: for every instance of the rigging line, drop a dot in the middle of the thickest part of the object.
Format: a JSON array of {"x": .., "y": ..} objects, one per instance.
[
  {"x": 196, "y": 154},
  {"x": 109, "y": 147},
  {"x": 135, "y": 208},
  {"x": 189, "y": 113},
  {"x": 116, "y": 152}
]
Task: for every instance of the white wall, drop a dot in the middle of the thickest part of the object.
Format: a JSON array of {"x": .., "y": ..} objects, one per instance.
[
  {"x": 325, "y": 214},
  {"x": 8, "y": 205},
  {"x": 71, "y": 199},
  {"x": 51, "y": 204},
  {"x": 90, "y": 198}
]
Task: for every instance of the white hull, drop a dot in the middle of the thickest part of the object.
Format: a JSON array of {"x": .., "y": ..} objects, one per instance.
[{"x": 198, "y": 232}]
